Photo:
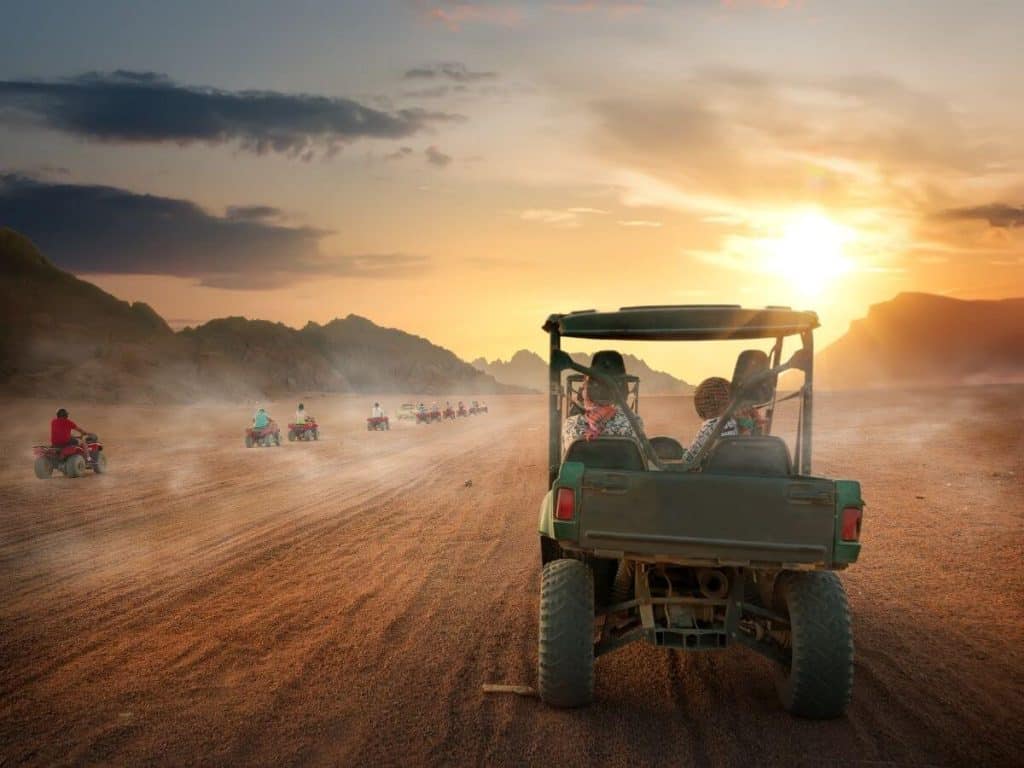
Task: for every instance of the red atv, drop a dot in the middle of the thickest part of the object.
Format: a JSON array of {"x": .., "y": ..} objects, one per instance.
[
  {"x": 378, "y": 424},
  {"x": 265, "y": 437},
  {"x": 423, "y": 417},
  {"x": 304, "y": 430},
  {"x": 462, "y": 411},
  {"x": 72, "y": 460},
  {"x": 474, "y": 409},
  {"x": 482, "y": 408},
  {"x": 435, "y": 414},
  {"x": 449, "y": 413}
]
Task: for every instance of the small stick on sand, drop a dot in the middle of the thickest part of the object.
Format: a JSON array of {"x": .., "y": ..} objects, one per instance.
[{"x": 519, "y": 690}]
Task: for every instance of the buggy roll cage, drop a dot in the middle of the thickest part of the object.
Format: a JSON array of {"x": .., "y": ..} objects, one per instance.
[{"x": 719, "y": 322}]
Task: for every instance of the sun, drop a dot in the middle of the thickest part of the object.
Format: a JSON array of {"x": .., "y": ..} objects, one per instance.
[{"x": 810, "y": 252}]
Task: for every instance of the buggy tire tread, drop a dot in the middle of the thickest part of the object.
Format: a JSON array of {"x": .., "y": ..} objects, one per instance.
[
  {"x": 566, "y": 637},
  {"x": 819, "y": 683}
]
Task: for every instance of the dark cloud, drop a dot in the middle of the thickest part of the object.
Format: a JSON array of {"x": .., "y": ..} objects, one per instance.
[
  {"x": 999, "y": 215},
  {"x": 450, "y": 70},
  {"x": 437, "y": 157},
  {"x": 96, "y": 229},
  {"x": 398, "y": 154},
  {"x": 253, "y": 212},
  {"x": 145, "y": 107}
]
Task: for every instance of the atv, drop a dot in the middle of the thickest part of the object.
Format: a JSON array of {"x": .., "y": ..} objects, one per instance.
[
  {"x": 72, "y": 460},
  {"x": 449, "y": 413},
  {"x": 474, "y": 409},
  {"x": 462, "y": 411},
  {"x": 304, "y": 430},
  {"x": 265, "y": 437},
  {"x": 736, "y": 543},
  {"x": 377, "y": 423},
  {"x": 424, "y": 417}
]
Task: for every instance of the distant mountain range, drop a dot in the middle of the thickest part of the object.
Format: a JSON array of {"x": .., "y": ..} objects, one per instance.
[
  {"x": 64, "y": 337},
  {"x": 920, "y": 338},
  {"x": 530, "y": 370}
]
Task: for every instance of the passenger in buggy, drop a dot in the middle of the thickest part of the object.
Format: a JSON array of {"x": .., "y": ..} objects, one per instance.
[{"x": 601, "y": 417}]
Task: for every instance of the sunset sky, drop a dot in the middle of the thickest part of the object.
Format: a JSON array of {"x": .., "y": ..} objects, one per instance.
[{"x": 462, "y": 169}]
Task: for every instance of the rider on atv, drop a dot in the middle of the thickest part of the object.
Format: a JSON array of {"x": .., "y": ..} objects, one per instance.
[
  {"x": 300, "y": 414},
  {"x": 61, "y": 429},
  {"x": 261, "y": 419}
]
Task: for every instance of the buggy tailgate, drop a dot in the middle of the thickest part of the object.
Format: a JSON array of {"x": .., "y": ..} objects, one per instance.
[{"x": 723, "y": 519}]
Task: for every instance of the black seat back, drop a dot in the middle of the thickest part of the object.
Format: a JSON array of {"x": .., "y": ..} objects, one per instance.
[
  {"x": 765, "y": 456},
  {"x": 607, "y": 453}
]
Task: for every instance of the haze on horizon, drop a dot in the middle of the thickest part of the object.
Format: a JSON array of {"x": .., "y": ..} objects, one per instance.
[{"x": 460, "y": 170}]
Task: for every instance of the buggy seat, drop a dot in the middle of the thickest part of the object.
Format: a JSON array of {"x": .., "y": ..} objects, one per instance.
[
  {"x": 750, "y": 455},
  {"x": 607, "y": 453}
]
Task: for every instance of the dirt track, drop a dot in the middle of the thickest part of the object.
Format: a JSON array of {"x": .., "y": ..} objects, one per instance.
[{"x": 343, "y": 602}]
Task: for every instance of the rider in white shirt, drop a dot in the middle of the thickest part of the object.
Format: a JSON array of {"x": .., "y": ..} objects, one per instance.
[{"x": 378, "y": 412}]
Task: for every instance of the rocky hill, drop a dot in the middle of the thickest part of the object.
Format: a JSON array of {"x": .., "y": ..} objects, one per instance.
[
  {"x": 62, "y": 337},
  {"x": 919, "y": 338},
  {"x": 530, "y": 370}
]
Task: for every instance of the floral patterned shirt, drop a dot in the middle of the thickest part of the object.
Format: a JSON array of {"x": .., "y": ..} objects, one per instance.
[
  {"x": 704, "y": 434},
  {"x": 575, "y": 428}
]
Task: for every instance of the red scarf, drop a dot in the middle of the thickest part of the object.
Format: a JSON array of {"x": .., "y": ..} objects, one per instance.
[{"x": 597, "y": 416}]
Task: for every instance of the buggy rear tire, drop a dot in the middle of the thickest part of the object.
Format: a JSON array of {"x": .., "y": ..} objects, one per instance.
[
  {"x": 43, "y": 468},
  {"x": 565, "y": 669},
  {"x": 74, "y": 465},
  {"x": 818, "y": 682},
  {"x": 99, "y": 462}
]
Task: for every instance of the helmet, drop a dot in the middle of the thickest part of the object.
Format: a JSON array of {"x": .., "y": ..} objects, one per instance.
[
  {"x": 376, "y": 405},
  {"x": 711, "y": 397},
  {"x": 302, "y": 407},
  {"x": 62, "y": 413}
]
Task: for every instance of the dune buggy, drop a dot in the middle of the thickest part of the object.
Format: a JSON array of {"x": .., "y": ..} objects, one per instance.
[
  {"x": 264, "y": 437},
  {"x": 737, "y": 543},
  {"x": 304, "y": 430},
  {"x": 407, "y": 412},
  {"x": 377, "y": 423},
  {"x": 73, "y": 460}
]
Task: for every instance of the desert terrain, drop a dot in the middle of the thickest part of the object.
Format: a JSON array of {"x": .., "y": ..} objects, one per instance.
[{"x": 343, "y": 602}]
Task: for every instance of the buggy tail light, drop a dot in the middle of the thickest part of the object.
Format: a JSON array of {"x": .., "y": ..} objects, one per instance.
[
  {"x": 850, "y": 524},
  {"x": 565, "y": 505}
]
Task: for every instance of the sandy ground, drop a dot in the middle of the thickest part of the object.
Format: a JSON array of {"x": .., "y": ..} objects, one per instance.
[{"x": 343, "y": 602}]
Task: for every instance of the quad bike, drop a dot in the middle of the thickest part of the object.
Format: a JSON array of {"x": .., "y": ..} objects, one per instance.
[
  {"x": 435, "y": 415},
  {"x": 424, "y": 417},
  {"x": 474, "y": 409},
  {"x": 304, "y": 430},
  {"x": 265, "y": 437},
  {"x": 72, "y": 460},
  {"x": 462, "y": 411},
  {"x": 736, "y": 544},
  {"x": 481, "y": 409},
  {"x": 377, "y": 424},
  {"x": 449, "y": 413}
]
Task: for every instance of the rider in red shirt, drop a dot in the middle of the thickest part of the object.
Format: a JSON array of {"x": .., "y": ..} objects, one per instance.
[{"x": 61, "y": 429}]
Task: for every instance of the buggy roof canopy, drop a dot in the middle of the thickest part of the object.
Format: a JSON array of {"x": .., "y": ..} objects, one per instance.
[{"x": 683, "y": 323}]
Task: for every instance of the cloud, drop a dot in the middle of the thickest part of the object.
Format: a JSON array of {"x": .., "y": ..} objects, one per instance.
[
  {"x": 437, "y": 157},
  {"x": 144, "y": 107},
  {"x": 640, "y": 223},
  {"x": 252, "y": 212},
  {"x": 91, "y": 229},
  {"x": 1000, "y": 215},
  {"x": 449, "y": 70},
  {"x": 569, "y": 218}
]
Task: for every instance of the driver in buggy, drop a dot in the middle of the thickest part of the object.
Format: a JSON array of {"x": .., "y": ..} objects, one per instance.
[
  {"x": 600, "y": 416},
  {"x": 61, "y": 429},
  {"x": 261, "y": 419}
]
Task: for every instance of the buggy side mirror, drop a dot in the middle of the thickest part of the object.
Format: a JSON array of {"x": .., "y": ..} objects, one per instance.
[{"x": 667, "y": 448}]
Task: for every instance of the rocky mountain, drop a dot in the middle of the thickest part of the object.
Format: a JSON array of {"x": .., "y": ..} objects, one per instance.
[
  {"x": 528, "y": 369},
  {"x": 62, "y": 337},
  {"x": 919, "y": 338}
]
